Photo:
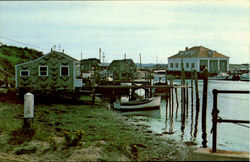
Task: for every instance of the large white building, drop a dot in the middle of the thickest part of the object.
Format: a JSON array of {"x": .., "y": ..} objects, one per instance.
[{"x": 196, "y": 58}]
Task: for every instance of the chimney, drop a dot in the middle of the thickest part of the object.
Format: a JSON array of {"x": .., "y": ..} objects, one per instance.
[{"x": 186, "y": 48}]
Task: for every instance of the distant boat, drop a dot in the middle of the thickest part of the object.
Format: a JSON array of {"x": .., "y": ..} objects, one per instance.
[
  {"x": 146, "y": 104},
  {"x": 220, "y": 76},
  {"x": 245, "y": 77}
]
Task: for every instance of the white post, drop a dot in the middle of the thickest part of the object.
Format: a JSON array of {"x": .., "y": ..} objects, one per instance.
[{"x": 28, "y": 110}]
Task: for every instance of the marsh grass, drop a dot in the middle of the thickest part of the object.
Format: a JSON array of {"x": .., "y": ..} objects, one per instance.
[{"x": 84, "y": 126}]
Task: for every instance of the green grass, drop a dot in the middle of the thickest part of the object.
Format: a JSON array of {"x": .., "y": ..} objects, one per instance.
[{"x": 99, "y": 124}]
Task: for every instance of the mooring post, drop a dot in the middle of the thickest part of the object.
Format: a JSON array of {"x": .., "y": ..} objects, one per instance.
[
  {"x": 215, "y": 116},
  {"x": 172, "y": 96},
  {"x": 170, "y": 99},
  {"x": 150, "y": 84},
  {"x": 93, "y": 92},
  {"x": 183, "y": 89},
  {"x": 196, "y": 90},
  {"x": 166, "y": 96},
  {"x": 166, "y": 80},
  {"x": 192, "y": 92},
  {"x": 177, "y": 102},
  {"x": 204, "y": 108},
  {"x": 197, "y": 104},
  {"x": 28, "y": 111},
  {"x": 187, "y": 98}
]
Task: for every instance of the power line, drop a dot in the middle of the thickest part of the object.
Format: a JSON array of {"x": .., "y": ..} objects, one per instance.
[{"x": 23, "y": 43}]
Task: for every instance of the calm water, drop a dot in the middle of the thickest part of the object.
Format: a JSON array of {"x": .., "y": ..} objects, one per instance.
[{"x": 232, "y": 106}]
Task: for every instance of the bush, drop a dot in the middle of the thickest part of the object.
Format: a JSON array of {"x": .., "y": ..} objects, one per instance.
[{"x": 73, "y": 138}]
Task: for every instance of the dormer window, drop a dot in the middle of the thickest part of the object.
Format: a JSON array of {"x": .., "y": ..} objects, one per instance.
[
  {"x": 210, "y": 52},
  {"x": 181, "y": 52}
]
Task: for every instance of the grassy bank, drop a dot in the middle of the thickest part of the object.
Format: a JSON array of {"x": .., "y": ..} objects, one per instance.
[{"x": 79, "y": 132}]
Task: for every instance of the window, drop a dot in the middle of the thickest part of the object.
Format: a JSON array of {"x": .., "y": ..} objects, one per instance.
[
  {"x": 171, "y": 65},
  {"x": 193, "y": 65},
  {"x": 43, "y": 70},
  {"x": 187, "y": 65},
  {"x": 64, "y": 70},
  {"x": 177, "y": 65},
  {"x": 24, "y": 73}
]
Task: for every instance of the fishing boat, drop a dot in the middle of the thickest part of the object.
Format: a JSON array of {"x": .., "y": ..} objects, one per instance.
[{"x": 146, "y": 104}]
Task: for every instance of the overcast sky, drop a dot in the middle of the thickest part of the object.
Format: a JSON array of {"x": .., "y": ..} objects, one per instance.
[{"x": 157, "y": 30}]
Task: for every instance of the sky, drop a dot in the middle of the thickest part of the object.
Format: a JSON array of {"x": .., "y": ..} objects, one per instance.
[{"x": 156, "y": 29}]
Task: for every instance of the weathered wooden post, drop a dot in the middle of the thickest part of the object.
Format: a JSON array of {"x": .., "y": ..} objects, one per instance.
[
  {"x": 204, "y": 107},
  {"x": 172, "y": 96},
  {"x": 183, "y": 89},
  {"x": 192, "y": 92},
  {"x": 28, "y": 111},
  {"x": 177, "y": 102},
  {"x": 197, "y": 103},
  {"x": 150, "y": 85},
  {"x": 166, "y": 97},
  {"x": 196, "y": 89},
  {"x": 93, "y": 92},
  {"x": 187, "y": 98}
]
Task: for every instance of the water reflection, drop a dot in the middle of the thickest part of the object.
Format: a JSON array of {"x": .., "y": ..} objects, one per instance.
[{"x": 187, "y": 129}]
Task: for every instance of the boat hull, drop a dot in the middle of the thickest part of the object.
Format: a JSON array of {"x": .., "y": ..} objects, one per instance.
[{"x": 153, "y": 103}]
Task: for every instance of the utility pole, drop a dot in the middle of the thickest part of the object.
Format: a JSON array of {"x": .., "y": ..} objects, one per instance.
[
  {"x": 103, "y": 56},
  {"x": 100, "y": 54},
  {"x": 81, "y": 55},
  {"x": 140, "y": 60},
  {"x": 125, "y": 56}
]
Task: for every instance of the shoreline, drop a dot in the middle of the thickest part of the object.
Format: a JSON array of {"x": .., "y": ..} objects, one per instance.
[{"x": 107, "y": 135}]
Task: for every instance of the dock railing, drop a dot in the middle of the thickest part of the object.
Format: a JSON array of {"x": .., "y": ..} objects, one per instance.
[{"x": 215, "y": 112}]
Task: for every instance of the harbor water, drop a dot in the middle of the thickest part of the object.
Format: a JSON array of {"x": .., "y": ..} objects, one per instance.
[{"x": 231, "y": 106}]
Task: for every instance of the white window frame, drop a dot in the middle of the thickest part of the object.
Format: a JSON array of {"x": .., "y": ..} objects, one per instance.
[
  {"x": 61, "y": 71},
  {"x": 47, "y": 72},
  {"x": 24, "y": 71}
]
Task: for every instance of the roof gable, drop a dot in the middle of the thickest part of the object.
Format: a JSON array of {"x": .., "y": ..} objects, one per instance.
[{"x": 60, "y": 53}]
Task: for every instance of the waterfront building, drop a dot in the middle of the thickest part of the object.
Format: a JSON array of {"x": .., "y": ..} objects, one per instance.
[
  {"x": 89, "y": 64},
  {"x": 123, "y": 69},
  {"x": 196, "y": 58},
  {"x": 55, "y": 71}
]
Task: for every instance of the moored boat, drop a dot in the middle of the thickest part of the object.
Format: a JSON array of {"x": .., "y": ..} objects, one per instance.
[
  {"x": 245, "y": 77},
  {"x": 146, "y": 104}
]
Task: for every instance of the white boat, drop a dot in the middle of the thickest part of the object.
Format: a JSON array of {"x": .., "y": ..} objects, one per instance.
[
  {"x": 222, "y": 76},
  {"x": 245, "y": 77},
  {"x": 146, "y": 104}
]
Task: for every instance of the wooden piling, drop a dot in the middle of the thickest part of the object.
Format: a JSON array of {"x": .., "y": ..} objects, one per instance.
[
  {"x": 197, "y": 103},
  {"x": 192, "y": 93},
  {"x": 204, "y": 108},
  {"x": 177, "y": 102},
  {"x": 187, "y": 99},
  {"x": 169, "y": 97},
  {"x": 150, "y": 84},
  {"x": 183, "y": 89},
  {"x": 93, "y": 95},
  {"x": 172, "y": 97}
]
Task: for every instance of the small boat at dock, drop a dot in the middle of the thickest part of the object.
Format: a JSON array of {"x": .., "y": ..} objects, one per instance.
[
  {"x": 245, "y": 77},
  {"x": 146, "y": 104}
]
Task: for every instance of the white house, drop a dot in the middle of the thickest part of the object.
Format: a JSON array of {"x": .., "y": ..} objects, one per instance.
[{"x": 196, "y": 58}]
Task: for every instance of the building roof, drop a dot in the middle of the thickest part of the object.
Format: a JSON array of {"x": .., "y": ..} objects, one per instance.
[
  {"x": 121, "y": 62},
  {"x": 198, "y": 52},
  {"x": 60, "y": 53}
]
